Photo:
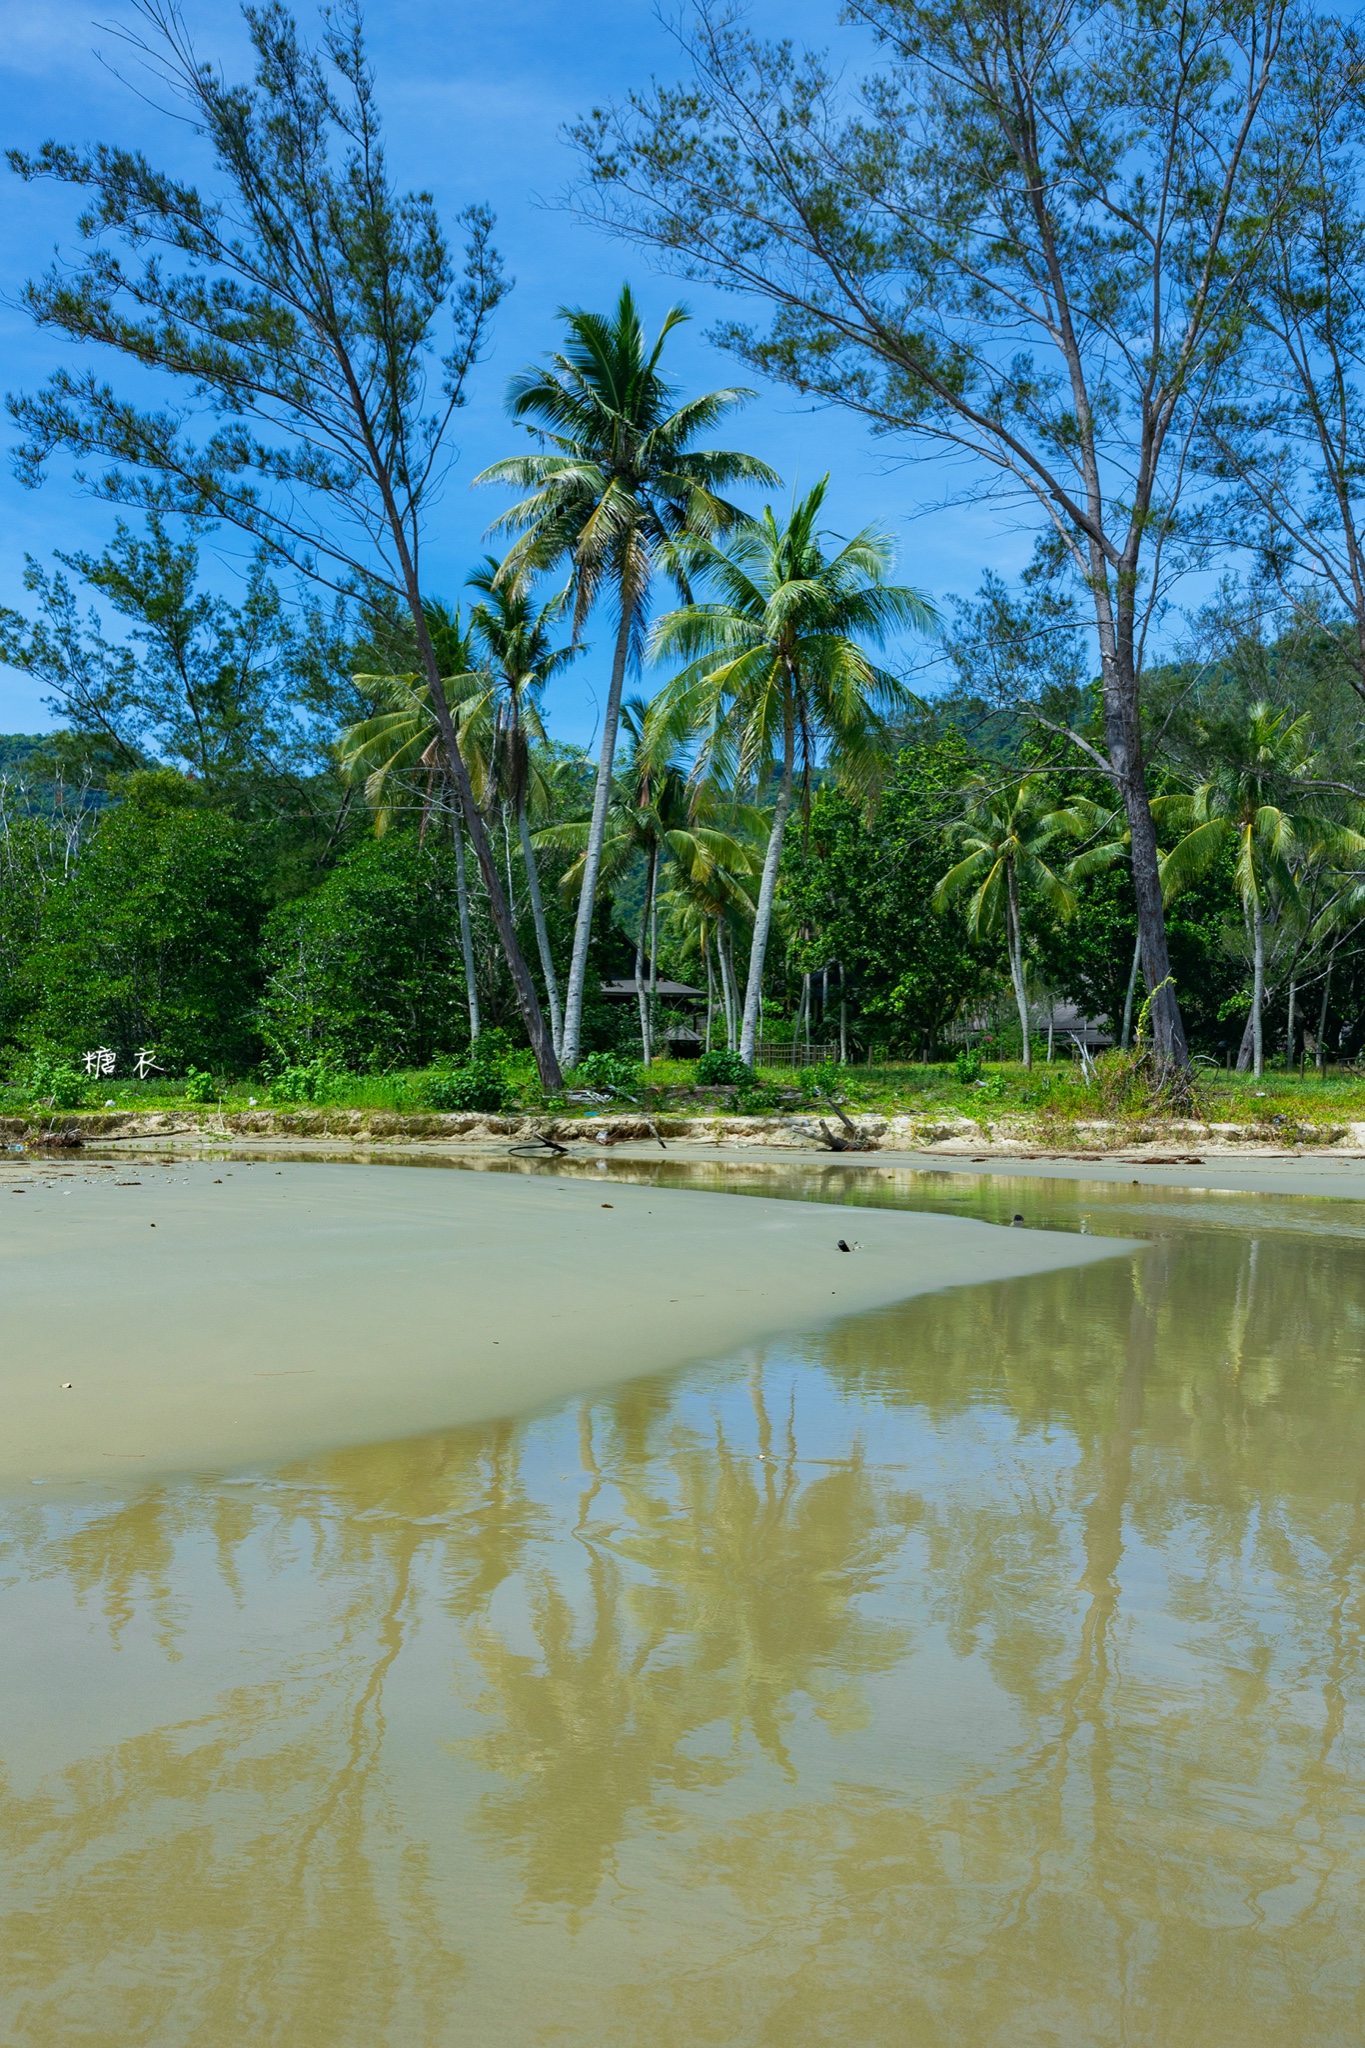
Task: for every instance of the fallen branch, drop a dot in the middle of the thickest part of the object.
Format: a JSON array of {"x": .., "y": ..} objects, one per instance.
[
  {"x": 857, "y": 1143},
  {"x": 538, "y": 1141}
]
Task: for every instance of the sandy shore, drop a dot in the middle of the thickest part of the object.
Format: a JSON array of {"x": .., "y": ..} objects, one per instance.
[{"x": 213, "y": 1314}]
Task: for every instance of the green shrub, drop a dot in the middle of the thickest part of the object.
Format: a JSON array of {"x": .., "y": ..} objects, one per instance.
[
  {"x": 309, "y": 1081},
  {"x": 967, "y": 1066},
  {"x": 45, "y": 1077},
  {"x": 474, "y": 1087},
  {"x": 724, "y": 1070},
  {"x": 199, "y": 1086},
  {"x": 479, "y": 1083},
  {"x": 760, "y": 1101},
  {"x": 607, "y": 1070},
  {"x": 993, "y": 1090}
]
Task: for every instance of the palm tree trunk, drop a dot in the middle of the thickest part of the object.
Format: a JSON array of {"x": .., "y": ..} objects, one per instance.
[
  {"x": 466, "y": 934},
  {"x": 653, "y": 952},
  {"x": 547, "y": 963},
  {"x": 1127, "y": 1038},
  {"x": 642, "y": 996},
  {"x": 727, "y": 984},
  {"x": 1322, "y": 1013},
  {"x": 1015, "y": 940},
  {"x": 710, "y": 983},
  {"x": 1291, "y": 1031},
  {"x": 767, "y": 889},
  {"x": 843, "y": 1019},
  {"x": 528, "y": 1002},
  {"x": 1257, "y": 988},
  {"x": 597, "y": 832}
]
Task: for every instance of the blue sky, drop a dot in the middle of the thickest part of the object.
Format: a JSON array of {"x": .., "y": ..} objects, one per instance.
[{"x": 474, "y": 101}]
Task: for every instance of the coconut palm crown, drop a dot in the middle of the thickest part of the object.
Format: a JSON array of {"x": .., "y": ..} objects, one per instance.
[
  {"x": 1005, "y": 833},
  {"x": 776, "y": 672},
  {"x": 617, "y": 483},
  {"x": 1260, "y": 802},
  {"x": 657, "y": 815}
]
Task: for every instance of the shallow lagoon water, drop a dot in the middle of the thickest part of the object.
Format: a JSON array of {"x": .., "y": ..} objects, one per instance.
[{"x": 981, "y": 1669}]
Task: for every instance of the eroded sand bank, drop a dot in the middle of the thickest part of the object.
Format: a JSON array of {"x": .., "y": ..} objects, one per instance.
[{"x": 212, "y": 1314}]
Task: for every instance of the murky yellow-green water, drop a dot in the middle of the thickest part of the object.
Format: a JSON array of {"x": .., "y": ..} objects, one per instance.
[{"x": 985, "y": 1670}]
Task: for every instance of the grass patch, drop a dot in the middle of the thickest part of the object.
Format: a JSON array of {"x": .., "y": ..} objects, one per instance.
[{"x": 1282, "y": 1107}]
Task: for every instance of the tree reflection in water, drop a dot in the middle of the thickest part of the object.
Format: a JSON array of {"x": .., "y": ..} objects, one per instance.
[{"x": 985, "y": 1670}]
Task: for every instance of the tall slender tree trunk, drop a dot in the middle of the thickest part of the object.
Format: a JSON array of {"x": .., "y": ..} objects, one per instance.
[
  {"x": 653, "y": 952},
  {"x": 528, "y": 1002},
  {"x": 597, "y": 832},
  {"x": 644, "y": 995},
  {"x": 1123, "y": 734},
  {"x": 1257, "y": 988},
  {"x": 1014, "y": 937},
  {"x": 802, "y": 1012},
  {"x": 843, "y": 1019},
  {"x": 1322, "y": 1013},
  {"x": 710, "y": 983},
  {"x": 1127, "y": 1038},
  {"x": 767, "y": 888},
  {"x": 547, "y": 961},
  {"x": 1292, "y": 1028},
  {"x": 466, "y": 934},
  {"x": 727, "y": 986}
]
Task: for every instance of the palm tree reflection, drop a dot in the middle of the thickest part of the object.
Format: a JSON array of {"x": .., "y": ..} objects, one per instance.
[{"x": 1059, "y": 1724}]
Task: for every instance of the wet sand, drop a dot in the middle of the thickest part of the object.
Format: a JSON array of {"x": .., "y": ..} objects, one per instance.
[{"x": 212, "y": 1314}]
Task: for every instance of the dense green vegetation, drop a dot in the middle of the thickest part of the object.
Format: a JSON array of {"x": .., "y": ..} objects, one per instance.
[{"x": 318, "y": 840}]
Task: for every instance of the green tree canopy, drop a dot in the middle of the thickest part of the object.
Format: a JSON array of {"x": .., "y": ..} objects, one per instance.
[
  {"x": 366, "y": 971},
  {"x": 863, "y": 890},
  {"x": 153, "y": 939}
]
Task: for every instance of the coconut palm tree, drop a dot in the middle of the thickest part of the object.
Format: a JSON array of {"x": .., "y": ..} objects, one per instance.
[
  {"x": 1260, "y": 804},
  {"x": 656, "y": 814},
  {"x": 1005, "y": 834},
  {"x": 619, "y": 483},
  {"x": 402, "y": 744},
  {"x": 701, "y": 909},
  {"x": 514, "y": 636},
  {"x": 775, "y": 671}
]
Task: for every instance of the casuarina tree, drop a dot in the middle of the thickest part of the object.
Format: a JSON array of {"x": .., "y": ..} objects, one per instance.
[
  {"x": 301, "y": 306},
  {"x": 1027, "y": 241}
]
